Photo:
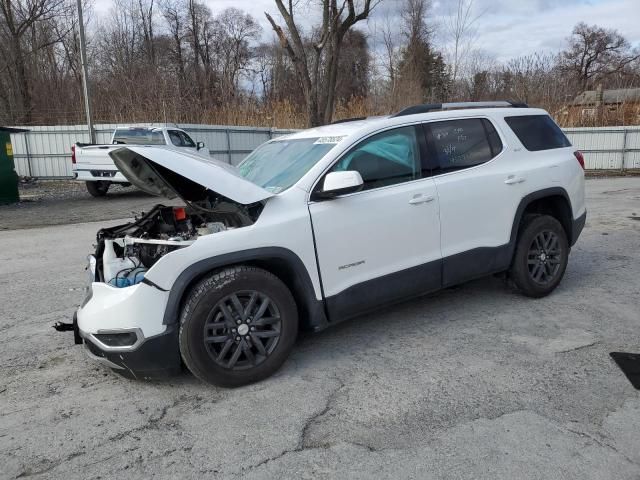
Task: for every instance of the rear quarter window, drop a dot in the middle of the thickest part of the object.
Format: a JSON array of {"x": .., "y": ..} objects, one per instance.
[{"x": 537, "y": 132}]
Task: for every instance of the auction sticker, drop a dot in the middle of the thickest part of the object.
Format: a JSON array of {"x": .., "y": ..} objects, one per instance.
[{"x": 329, "y": 139}]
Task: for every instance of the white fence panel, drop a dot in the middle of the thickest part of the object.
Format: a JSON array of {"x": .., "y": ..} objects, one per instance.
[
  {"x": 607, "y": 148},
  {"x": 46, "y": 151}
]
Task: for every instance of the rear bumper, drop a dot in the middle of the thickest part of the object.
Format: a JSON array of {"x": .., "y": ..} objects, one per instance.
[
  {"x": 577, "y": 227},
  {"x": 98, "y": 174},
  {"x": 154, "y": 357}
]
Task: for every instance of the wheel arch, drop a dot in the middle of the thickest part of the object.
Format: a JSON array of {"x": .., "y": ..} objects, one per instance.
[
  {"x": 552, "y": 201},
  {"x": 281, "y": 262}
]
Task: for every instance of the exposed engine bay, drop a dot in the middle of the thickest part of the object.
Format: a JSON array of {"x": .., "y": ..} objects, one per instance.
[{"x": 124, "y": 253}]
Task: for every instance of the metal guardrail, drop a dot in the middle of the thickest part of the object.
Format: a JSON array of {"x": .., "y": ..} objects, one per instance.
[{"x": 45, "y": 152}]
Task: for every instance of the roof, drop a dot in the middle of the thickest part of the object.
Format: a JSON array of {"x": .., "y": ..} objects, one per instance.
[
  {"x": 13, "y": 130},
  {"x": 372, "y": 124},
  {"x": 619, "y": 95}
]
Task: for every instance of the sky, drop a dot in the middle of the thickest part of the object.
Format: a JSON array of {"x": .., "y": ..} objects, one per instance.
[{"x": 505, "y": 28}]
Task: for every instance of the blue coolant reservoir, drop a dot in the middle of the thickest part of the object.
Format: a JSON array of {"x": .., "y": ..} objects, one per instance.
[{"x": 126, "y": 279}]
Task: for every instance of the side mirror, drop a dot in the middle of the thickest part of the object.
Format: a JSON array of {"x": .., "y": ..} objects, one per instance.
[
  {"x": 200, "y": 145},
  {"x": 340, "y": 183}
]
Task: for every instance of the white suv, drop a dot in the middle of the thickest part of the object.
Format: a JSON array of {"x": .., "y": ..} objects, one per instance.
[{"x": 324, "y": 225}]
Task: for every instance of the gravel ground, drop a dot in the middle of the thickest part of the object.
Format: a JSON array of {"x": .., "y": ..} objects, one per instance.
[
  {"x": 61, "y": 202},
  {"x": 473, "y": 382}
]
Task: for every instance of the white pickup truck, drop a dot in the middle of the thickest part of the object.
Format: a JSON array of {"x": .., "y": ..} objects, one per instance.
[{"x": 92, "y": 164}]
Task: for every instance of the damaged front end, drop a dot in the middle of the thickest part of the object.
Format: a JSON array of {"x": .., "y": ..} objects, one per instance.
[
  {"x": 126, "y": 252},
  {"x": 121, "y": 318}
]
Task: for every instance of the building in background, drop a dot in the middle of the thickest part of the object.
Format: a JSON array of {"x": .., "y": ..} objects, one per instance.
[{"x": 600, "y": 107}]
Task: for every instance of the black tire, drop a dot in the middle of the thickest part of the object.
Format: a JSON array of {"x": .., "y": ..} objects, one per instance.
[
  {"x": 263, "y": 349},
  {"x": 541, "y": 256},
  {"x": 99, "y": 188}
]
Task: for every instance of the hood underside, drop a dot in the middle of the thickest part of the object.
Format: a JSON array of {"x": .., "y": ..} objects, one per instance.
[{"x": 168, "y": 173}]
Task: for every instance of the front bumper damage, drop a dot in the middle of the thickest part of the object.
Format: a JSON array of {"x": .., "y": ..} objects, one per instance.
[
  {"x": 122, "y": 329},
  {"x": 153, "y": 357}
]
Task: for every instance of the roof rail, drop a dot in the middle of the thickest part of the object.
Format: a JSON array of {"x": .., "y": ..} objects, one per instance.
[
  {"x": 432, "y": 107},
  {"x": 346, "y": 120}
]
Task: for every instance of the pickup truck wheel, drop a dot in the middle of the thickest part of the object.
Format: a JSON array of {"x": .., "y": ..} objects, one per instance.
[
  {"x": 99, "y": 188},
  {"x": 237, "y": 326},
  {"x": 541, "y": 256}
]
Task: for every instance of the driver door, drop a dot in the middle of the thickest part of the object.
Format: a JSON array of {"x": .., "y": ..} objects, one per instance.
[{"x": 381, "y": 244}]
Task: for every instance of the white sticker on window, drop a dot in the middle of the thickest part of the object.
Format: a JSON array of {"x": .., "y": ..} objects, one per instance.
[{"x": 329, "y": 139}]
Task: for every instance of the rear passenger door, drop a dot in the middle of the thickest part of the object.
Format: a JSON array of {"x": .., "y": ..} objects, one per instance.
[{"x": 479, "y": 188}]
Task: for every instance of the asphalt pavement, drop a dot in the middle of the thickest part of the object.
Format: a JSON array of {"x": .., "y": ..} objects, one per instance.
[{"x": 473, "y": 382}]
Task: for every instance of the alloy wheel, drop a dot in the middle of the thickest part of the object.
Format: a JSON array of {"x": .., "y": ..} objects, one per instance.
[
  {"x": 544, "y": 257},
  {"x": 242, "y": 330}
]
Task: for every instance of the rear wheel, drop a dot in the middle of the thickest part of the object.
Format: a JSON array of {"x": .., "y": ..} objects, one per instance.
[
  {"x": 99, "y": 188},
  {"x": 541, "y": 256},
  {"x": 238, "y": 326}
]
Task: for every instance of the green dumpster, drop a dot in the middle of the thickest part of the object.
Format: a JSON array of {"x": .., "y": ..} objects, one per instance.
[{"x": 8, "y": 175}]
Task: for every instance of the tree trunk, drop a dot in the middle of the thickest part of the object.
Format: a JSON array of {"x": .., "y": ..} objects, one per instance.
[
  {"x": 22, "y": 82},
  {"x": 331, "y": 80}
]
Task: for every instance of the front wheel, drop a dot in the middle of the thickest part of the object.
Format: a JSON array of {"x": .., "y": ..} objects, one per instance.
[
  {"x": 237, "y": 326},
  {"x": 98, "y": 188},
  {"x": 541, "y": 256}
]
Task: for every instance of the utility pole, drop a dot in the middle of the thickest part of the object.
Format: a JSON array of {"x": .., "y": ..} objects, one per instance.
[{"x": 85, "y": 75}]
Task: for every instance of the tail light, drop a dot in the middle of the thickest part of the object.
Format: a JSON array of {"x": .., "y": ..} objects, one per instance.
[
  {"x": 579, "y": 157},
  {"x": 73, "y": 154}
]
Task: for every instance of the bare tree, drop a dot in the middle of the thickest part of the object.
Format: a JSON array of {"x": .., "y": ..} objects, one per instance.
[
  {"x": 175, "y": 21},
  {"x": 18, "y": 17},
  {"x": 317, "y": 68},
  {"x": 391, "y": 57},
  {"x": 234, "y": 31},
  {"x": 461, "y": 29},
  {"x": 146, "y": 19},
  {"x": 596, "y": 52}
]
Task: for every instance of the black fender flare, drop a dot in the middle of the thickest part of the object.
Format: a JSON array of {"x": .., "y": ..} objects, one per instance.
[
  {"x": 526, "y": 201},
  {"x": 302, "y": 289}
]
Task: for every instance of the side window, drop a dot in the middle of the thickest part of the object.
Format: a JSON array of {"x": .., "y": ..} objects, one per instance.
[
  {"x": 175, "y": 138},
  {"x": 537, "y": 132},
  {"x": 186, "y": 140},
  {"x": 157, "y": 138},
  {"x": 464, "y": 143},
  {"x": 384, "y": 159}
]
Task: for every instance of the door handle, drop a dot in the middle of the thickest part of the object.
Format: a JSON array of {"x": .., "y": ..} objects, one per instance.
[
  {"x": 512, "y": 179},
  {"x": 420, "y": 198}
]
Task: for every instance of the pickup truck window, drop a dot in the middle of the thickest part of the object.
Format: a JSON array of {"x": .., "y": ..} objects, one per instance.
[
  {"x": 181, "y": 139},
  {"x": 137, "y": 136},
  {"x": 277, "y": 165}
]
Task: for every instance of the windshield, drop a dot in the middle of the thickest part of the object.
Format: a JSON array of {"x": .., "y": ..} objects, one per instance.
[{"x": 277, "y": 165}]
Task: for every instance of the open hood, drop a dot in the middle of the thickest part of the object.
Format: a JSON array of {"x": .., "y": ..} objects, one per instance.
[{"x": 166, "y": 172}]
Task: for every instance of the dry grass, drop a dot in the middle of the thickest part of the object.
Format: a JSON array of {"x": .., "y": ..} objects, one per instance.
[{"x": 287, "y": 114}]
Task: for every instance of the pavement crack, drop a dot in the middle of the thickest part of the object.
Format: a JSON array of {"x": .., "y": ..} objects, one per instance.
[
  {"x": 601, "y": 443},
  {"x": 303, "y": 442},
  {"x": 579, "y": 347},
  {"x": 53, "y": 464},
  {"x": 153, "y": 421}
]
